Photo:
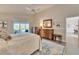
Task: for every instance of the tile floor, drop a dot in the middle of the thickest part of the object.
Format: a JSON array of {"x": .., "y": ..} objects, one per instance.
[
  {"x": 72, "y": 46},
  {"x": 50, "y": 48}
]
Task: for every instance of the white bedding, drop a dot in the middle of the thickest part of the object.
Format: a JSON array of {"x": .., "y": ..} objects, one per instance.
[{"x": 24, "y": 44}]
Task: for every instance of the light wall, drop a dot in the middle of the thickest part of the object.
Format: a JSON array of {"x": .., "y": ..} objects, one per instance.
[
  {"x": 58, "y": 14},
  {"x": 10, "y": 19}
]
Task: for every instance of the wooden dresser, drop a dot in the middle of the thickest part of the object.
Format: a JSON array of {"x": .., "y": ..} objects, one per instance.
[{"x": 45, "y": 33}]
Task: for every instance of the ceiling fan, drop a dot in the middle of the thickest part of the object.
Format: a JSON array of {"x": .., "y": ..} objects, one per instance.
[{"x": 32, "y": 10}]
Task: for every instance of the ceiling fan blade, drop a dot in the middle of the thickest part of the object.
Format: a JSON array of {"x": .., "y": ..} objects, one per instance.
[
  {"x": 28, "y": 8},
  {"x": 34, "y": 11},
  {"x": 31, "y": 10}
]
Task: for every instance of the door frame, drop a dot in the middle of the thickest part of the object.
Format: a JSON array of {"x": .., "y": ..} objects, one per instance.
[{"x": 66, "y": 26}]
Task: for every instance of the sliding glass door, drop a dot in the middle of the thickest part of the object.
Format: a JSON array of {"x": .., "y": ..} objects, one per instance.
[
  {"x": 21, "y": 27},
  {"x": 16, "y": 27}
]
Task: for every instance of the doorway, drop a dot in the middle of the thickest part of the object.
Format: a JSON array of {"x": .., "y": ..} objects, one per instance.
[
  {"x": 72, "y": 42},
  {"x": 72, "y": 26}
]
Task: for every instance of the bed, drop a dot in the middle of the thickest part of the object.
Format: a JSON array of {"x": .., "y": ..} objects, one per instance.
[{"x": 23, "y": 44}]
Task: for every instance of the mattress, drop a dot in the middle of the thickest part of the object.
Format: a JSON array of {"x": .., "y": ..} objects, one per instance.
[{"x": 23, "y": 44}]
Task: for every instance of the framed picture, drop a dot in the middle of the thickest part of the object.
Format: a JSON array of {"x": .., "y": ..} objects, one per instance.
[
  {"x": 47, "y": 23},
  {"x": 5, "y": 24},
  {"x": 1, "y": 24}
]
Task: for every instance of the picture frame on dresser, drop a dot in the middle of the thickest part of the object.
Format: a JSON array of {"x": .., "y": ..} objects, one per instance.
[{"x": 5, "y": 24}]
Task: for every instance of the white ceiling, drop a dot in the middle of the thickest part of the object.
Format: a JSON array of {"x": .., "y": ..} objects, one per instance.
[{"x": 24, "y": 8}]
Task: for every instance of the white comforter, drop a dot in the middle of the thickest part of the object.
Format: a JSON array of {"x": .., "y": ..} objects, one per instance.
[{"x": 21, "y": 44}]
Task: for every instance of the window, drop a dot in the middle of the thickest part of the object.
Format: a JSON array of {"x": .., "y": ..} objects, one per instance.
[
  {"x": 16, "y": 27},
  {"x": 27, "y": 27},
  {"x": 21, "y": 27}
]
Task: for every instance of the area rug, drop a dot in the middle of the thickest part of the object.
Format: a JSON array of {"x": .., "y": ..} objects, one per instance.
[{"x": 51, "y": 48}]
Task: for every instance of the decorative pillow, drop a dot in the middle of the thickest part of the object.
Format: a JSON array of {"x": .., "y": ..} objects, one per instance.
[
  {"x": 7, "y": 38},
  {"x": 4, "y": 35}
]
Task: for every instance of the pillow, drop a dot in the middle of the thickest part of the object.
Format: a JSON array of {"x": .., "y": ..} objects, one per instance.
[
  {"x": 4, "y": 35},
  {"x": 7, "y": 38}
]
